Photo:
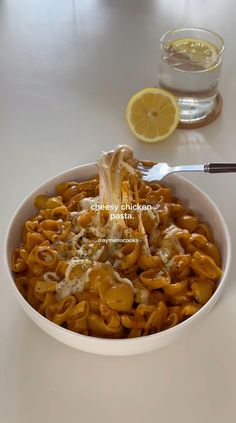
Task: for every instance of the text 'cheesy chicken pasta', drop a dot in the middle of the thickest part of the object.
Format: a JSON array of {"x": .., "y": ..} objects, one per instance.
[{"x": 118, "y": 277}]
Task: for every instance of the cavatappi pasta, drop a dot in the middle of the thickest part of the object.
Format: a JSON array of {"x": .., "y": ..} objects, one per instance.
[{"x": 117, "y": 277}]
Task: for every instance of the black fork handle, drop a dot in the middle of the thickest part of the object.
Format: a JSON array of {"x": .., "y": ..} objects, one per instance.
[{"x": 219, "y": 167}]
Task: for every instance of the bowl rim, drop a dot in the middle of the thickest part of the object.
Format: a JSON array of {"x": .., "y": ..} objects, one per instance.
[{"x": 92, "y": 339}]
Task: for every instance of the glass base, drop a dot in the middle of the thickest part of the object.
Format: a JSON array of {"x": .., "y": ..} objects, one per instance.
[
  {"x": 199, "y": 112},
  {"x": 194, "y": 109}
]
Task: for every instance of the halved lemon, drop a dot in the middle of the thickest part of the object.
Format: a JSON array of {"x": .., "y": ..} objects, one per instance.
[{"x": 152, "y": 114}]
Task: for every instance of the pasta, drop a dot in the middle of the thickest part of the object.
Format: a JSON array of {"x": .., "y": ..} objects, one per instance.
[{"x": 115, "y": 257}]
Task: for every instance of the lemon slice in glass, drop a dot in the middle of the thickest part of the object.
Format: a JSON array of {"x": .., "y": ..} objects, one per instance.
[
  {"x": 152, "y": 114},
  {"x": 195, "y": 50}
]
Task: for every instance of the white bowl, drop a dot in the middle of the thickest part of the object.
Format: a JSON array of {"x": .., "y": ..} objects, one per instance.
[{"x": 191, "y": 196}]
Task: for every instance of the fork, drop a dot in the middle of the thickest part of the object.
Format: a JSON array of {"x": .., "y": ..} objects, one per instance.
[{"x": 161, "y": 170}]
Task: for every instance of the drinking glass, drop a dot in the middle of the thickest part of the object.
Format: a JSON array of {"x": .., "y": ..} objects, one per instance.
[{"x": 191, "y": 60}]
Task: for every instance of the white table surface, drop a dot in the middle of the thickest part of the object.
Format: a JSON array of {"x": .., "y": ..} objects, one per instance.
[{"x": 67, "y": 70}]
